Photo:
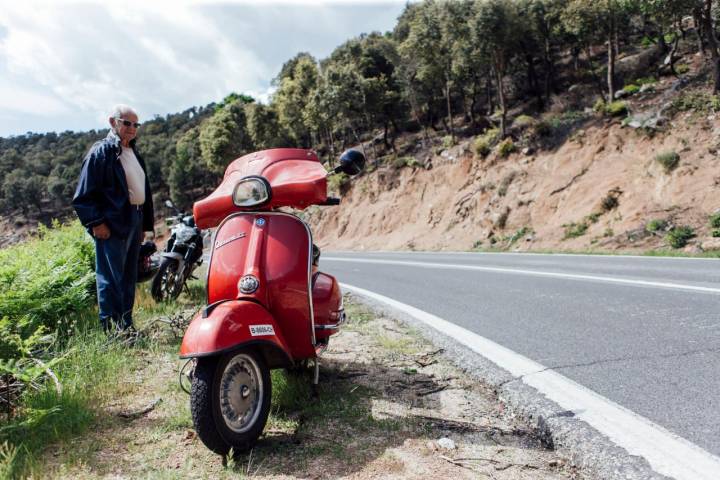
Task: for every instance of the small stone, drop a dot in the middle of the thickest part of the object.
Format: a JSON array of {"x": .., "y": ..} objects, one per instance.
[{"x": 446, "y": 443}]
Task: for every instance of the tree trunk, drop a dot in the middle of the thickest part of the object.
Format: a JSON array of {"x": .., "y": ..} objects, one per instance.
[
  {"x": 611, "y": 69},
  {"x": 501, "y": 100},
  {"x": 488, "y": 92},
  {"x": 449, "y": 110},
  {"x": 712, "y": 44},
  {"x": 697, "y": 21},
  {"x": 547, "y": 58}
]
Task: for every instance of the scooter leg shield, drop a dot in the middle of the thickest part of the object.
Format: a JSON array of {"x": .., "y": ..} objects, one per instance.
[{"x": 234, "y": 324}]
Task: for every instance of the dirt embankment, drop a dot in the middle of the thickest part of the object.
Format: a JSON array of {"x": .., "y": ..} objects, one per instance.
[{"x": 595, "y": 191}]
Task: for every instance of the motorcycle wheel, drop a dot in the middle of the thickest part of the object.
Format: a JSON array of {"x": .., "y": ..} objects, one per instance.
[
  {"x": 164, "y": 286},
  {"x": 230, "y": 401}
]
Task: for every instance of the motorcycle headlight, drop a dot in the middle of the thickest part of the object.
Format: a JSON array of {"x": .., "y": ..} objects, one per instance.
[{"x": 251, "y": 191}]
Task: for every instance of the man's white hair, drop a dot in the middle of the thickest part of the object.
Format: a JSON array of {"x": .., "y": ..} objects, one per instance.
[{"x": 120, "y": 110}]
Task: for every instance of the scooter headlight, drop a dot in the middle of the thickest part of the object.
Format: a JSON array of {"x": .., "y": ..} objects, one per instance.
[
  {"x": 248, "y": 284},
  {"x": 251, "y": 191}
]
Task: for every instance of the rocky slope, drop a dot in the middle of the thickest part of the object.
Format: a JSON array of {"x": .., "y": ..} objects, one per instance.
[{"x": 597, "y": 190}]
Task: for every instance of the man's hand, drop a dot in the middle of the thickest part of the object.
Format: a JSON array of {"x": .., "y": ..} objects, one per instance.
[{"x": 101, "y": 231}]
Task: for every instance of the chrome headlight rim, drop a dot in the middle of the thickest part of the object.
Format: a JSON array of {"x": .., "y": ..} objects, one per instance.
[{"x": 255, "y": 179}]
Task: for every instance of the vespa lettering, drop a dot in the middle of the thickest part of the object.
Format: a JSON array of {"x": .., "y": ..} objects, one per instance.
[
  {"x": 228, "y": 240},
  {"x": 259, "y": 330}
]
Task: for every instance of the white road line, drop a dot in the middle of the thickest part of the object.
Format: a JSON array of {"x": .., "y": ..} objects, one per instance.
[
  {"x": 538, "y": 273},
  {"x": 667, "y": 453}
]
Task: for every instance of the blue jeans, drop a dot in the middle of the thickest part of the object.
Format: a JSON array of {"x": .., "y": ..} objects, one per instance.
[{"x": 116, "y": 263}]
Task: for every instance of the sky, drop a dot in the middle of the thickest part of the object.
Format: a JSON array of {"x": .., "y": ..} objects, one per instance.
[{"x": 63, "y": 65}]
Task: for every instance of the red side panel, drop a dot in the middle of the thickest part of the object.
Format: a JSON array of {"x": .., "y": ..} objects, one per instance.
[
  {"x": 296, "y": 176},
  {"x": 229, "y": 324},
  {"x": 327, "y": 301},
  {"x": 275, "y": 247}
]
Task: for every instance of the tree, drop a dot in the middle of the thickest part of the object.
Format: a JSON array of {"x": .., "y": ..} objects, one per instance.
[
  {"x": 709, "y": 29},
  {"x": 495, "y": 30},
  {"x": 188, "y": 171},
  {"x": 264, "y": 128},
  {"x": 597, "y": 21},
  {"x": 224, "y": 137},
  {"x": 296, "y": 84}
]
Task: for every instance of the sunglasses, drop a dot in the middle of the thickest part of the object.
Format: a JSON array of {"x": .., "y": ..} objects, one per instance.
[{"x": 128, "y": 123}]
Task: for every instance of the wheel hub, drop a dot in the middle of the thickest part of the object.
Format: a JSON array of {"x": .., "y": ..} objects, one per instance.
[{"x": 240, "y": 393}]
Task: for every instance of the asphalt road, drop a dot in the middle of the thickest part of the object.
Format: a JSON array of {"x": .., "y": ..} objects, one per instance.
[{"x": 643, "y": 332}]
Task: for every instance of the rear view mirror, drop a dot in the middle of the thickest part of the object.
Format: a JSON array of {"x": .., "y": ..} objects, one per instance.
[{"x": 352, "y": 162}]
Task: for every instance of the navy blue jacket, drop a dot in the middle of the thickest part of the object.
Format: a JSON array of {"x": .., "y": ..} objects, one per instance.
[{"x": 102, "y": 192}]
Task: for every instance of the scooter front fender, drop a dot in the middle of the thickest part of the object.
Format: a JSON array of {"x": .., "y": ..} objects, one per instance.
[{"x": 235, "y": 324}]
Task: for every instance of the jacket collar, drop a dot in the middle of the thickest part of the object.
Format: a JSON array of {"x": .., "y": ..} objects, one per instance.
[{"x": 114, "y": 140}]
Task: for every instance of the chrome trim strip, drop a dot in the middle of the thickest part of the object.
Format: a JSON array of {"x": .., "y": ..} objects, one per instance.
[{"x": 334, "y": 326}]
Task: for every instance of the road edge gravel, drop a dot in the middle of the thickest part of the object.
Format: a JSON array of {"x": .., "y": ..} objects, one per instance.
[{"x": 585, "y": 447}]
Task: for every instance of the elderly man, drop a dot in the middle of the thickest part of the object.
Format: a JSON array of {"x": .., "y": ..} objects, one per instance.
[{"x": 114, "y": 202}]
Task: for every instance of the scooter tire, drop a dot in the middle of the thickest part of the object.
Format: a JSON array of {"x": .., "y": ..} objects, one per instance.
[
  {"x": 201, "y": 393},
  {"x": 245, "y": 439},
  {"x": 158, "y": 289}
]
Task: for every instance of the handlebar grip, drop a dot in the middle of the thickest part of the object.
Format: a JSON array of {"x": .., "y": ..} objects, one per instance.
[{"x": 332, "y": 201}]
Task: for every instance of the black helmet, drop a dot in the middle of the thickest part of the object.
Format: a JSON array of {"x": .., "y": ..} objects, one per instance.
[
  {"x": 147, "y": 265},
  {"x": 352, "y": 162}
]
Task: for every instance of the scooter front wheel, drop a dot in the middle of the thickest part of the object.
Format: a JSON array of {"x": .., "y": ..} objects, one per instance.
[{"x": 236, "y": 402}]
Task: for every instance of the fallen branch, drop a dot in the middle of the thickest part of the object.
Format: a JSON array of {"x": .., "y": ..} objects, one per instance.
[{"x": 139, "y": 413}]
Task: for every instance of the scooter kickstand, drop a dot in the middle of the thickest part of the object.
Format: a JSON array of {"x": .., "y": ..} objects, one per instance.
[{"x": 316, "y": 379}]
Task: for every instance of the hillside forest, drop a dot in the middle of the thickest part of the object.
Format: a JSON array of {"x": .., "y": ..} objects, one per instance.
[{"x": 448, "y": 69}]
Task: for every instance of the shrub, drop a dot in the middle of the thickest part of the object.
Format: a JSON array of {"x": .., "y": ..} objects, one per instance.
[
  {"x": 481, "y": 147},
  {"x": 609, "y": 202},
  {"x": 645, "y": 81},
  {"x": 573, "y": 230},
  {"x": 697, "y": 101},
  {"x": 616, "y": 109},
  {"x": 448, "y": 141},
  {"x": 682, "y": 68},
  {"x": 506, "y": 147},
  {"x": 407, "y": 161},
  {"x": 631, "y": 89},
  {"x": 45, "y": 282},
  {"x": 715, "y": 220},
  {"x": 543, "y": 128},
  {"x": 668, "y": 160},
  {"x": 338, "y": 183},
  {"x": 716, "y": 233},
  {"x": 483, "y": 143},
  {"x": 599, "y": 106},
  {"x": 524, "y": 121},
  {"x": 656, "y": 225},
  {"x": 593, "y": 217},
  {"x": 678, "y": 237}
]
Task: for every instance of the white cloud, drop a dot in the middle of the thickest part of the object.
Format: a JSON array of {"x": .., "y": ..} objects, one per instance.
[{"x": 78, "y": 59}]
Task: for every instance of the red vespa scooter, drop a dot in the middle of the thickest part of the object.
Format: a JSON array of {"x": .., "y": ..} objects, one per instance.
[{"x": 267, "y": 305}]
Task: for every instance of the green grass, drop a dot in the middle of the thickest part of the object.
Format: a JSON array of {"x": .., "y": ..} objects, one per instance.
[{"x": 91, "y": 372}]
